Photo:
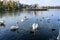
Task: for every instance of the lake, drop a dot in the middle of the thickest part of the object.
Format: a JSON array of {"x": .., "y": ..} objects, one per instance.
[{"x": 46, "y": 20}]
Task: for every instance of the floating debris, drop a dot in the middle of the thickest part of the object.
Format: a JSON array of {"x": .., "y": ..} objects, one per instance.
[
  {"x": 43, "y": 17},
  {"x": 37, "y": 19},
  {"x": 53, "y": 29},
  {"x": 52, "y": 15},
  {"x": 40, "y": 20},
  {"x": 58, "y": 19}
]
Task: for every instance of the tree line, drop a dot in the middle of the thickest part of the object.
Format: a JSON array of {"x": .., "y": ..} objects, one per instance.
[{"x": 9, "y": 5}]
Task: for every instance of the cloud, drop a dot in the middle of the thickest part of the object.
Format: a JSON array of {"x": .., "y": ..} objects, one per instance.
[{"x": 42, "y": 2}]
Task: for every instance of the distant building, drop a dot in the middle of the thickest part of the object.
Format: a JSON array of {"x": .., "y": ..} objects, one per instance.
[
  {"x": 4, "y": 2},
  {"x": 17, "y": 3}
]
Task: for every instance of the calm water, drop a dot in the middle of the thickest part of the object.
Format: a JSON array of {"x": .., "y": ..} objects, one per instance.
[{"x": 43, "y": 32}]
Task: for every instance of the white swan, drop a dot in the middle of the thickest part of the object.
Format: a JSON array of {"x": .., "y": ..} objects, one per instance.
[
  {"x": 14, "y": 28},
  {"x": 23, "y": 19},
  {"x": 2, "y": 23},
  {"x": 58, "y": 37},
  {"x": 34, "y": 26}
]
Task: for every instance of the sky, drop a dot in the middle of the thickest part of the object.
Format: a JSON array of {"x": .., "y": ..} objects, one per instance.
[{"x": 41, "y": 2}]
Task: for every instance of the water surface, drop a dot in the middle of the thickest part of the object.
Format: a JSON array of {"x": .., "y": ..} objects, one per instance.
[{"x": 44, "y": 31}]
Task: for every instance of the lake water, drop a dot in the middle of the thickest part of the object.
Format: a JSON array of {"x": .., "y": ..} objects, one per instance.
[{"x": 46, "y": 20}]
